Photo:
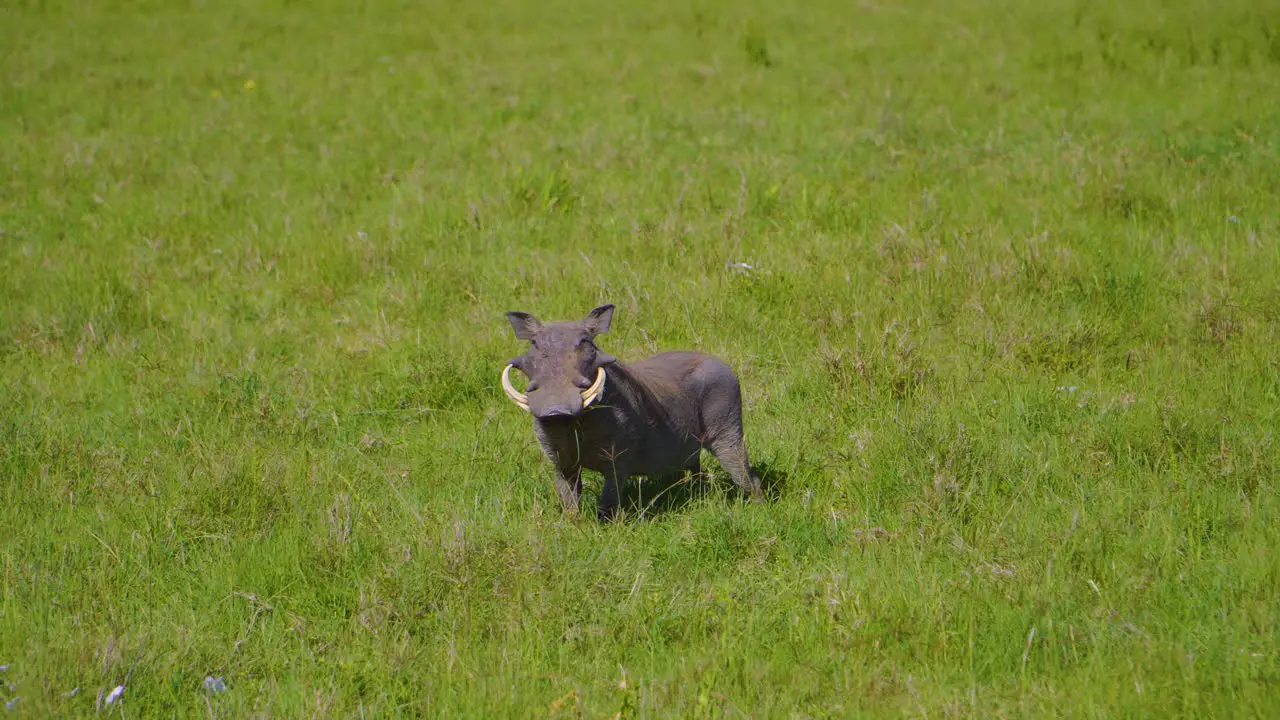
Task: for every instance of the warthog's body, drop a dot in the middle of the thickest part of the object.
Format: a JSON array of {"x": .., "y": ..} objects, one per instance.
[{"x": 652, "y": 418}]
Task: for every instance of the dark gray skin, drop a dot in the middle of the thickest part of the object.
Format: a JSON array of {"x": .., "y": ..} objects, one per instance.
[{"x": 654, "y": 417}]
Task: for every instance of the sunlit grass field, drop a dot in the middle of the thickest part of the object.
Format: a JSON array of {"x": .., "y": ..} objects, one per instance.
[{"x": 1001, "y": 281}]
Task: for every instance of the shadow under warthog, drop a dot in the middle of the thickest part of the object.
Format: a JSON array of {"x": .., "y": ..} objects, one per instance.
[{"x": 646, "y": 497}]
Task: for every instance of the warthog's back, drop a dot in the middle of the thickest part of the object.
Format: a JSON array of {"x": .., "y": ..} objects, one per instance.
[
  {"x": 688, "y": 384},
  {"x": 670, "y": 374}
]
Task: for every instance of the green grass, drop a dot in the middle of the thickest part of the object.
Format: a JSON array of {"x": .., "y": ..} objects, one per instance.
[{"x": 1008, "y": 339}]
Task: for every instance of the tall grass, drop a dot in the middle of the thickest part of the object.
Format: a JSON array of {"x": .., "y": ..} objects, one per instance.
[{"x": 1001, "y": 279}]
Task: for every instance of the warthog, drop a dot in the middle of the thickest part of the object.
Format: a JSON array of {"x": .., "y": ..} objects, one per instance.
[{"x": 651, "y": 417}]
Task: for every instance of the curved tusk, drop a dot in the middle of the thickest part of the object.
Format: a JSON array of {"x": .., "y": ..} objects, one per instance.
[
  {"x": 594, "y": 392},
  {"x": 520, "y": 399}
]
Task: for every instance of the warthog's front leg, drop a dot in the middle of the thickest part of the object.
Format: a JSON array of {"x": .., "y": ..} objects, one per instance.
[{"x": 569, "y": 487}]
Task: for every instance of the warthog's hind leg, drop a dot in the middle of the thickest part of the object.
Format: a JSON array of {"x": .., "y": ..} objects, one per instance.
[
  {"x": 694, "y": 464},
  {"x": 608, "y": 505},
  {"x": 732, "y": 454}
]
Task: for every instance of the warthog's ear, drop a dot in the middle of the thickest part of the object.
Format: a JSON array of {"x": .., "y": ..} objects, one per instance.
[
  {"x": 525, "y": 325},
  {"x": 597, "y": 321}
]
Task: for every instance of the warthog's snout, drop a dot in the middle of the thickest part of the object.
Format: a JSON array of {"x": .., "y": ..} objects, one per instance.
[
  {"x": 565, "y": 409},
  {"x": 563, "y": 402}
]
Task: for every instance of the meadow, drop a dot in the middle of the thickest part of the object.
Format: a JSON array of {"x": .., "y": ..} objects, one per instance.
[{"x": 1001, "y": 280}]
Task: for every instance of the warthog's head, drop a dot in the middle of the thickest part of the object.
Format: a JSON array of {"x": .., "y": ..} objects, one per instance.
[{"x": 564, "y": 366}]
